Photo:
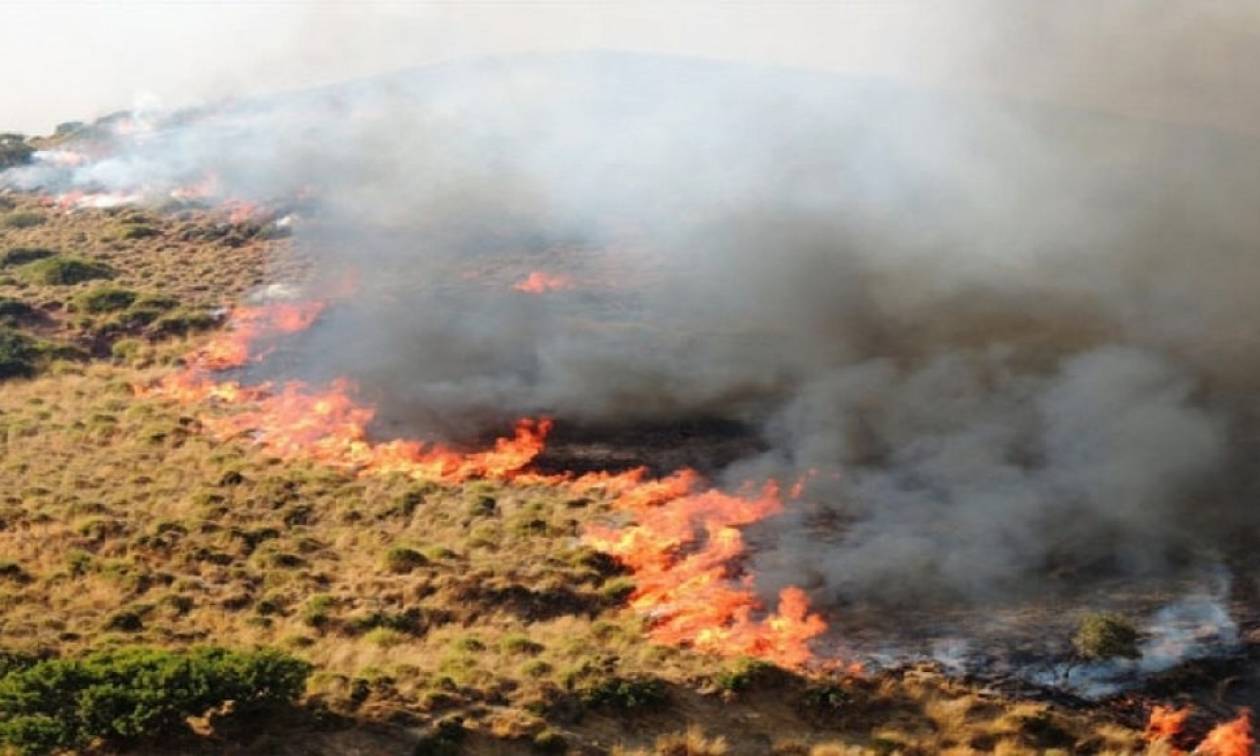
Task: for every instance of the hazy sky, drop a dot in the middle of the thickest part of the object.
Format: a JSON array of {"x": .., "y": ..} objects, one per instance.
[{"x": 1187, "y": 61}]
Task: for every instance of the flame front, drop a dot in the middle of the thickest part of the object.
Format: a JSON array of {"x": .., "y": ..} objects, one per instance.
[
  {"x": 681, "y": 550},
  {"x": 683, "y": 544}
]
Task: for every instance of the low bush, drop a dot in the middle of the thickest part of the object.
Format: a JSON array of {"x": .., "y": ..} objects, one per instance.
[
  {"x": 401, "y": 560},
  {"x": 626, "y": 694},
  {"x": 14, "y": 311},
  {"x": 1101, "y": 636},
  {"x": 22, "y": 219},
  {"x": 19, "y": 354},
  {"x": 104, "y": 299},
  {"x": 24, "y": 255},
  {"x": 63, "y": 271},
  {"x": 182, "y": 321},
  {"x": 129, "y": 694}
]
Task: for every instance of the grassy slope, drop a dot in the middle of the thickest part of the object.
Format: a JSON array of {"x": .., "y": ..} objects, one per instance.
[{"x": 121, "y": 523}]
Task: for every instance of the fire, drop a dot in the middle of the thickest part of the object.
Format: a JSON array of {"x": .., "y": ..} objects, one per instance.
[
  {"x": 538, "y": 282},
  {"x": 1232, "y": 738},
  {"x": 681, "y": 548},
  {"x": 683, "y": 545},
  {"x": 1166, "y": 722}
]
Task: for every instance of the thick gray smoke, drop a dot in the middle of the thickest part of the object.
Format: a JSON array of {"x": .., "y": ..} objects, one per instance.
[{"x": 1012, "y": 340}]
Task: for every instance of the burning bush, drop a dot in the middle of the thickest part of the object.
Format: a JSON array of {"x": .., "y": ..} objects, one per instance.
[
  {"x": 1102, "y": 636},
  {"x": 132, "y": 693}
]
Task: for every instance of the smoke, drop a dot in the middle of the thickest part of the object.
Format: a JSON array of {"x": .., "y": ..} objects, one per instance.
[{"x": 1009, "y": 341}]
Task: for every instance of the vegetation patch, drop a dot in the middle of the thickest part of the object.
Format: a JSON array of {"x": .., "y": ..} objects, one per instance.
[
  {"x": 104, "y": 299},
  {"x": 24, "y": 255},
  {"x": 59, "y": 270},
  {"x": 129, "y": 694}
]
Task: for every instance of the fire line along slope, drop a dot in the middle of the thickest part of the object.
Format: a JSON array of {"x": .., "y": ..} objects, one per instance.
[{"x": 498, "y": 446}]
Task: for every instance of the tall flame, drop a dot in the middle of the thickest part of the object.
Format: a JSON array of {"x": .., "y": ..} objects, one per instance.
[
  {"x": 1166, "y": 722},
  {"x": 681, "y": 549},
  {"x": 1232, "y": 738}
]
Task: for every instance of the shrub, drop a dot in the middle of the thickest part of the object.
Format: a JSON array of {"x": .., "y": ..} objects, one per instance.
[
  {"x": 127, "y": 694},
  {"x": 14, "y": 150},
  {"x": 1101, "y": 635},
  {"x": 445, "y": 739},
  {"x": 626, "y": 694},
  {"x": 137, "y": 231},
  {"x": 401, "y": 560},
  {"x": 105, "y": 299},
  {"x": 22, "y": 219},
  {"x": 550, "y": 741},
  {"x": 14, "y": 311},
  {"x": 317, "y": 610},
  {"x": 62, "y": 271},
  {"x": 182, "y": 321},
  {"x": 24, "y": 255},
  {"x": 743, "y": 673},
  {"x": 19, "y": 354}
]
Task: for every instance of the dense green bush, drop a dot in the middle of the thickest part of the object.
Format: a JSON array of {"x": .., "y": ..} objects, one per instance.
[
  {"x": 626, "y": 694},
  {"x": 19, "y": 354},
  {"x": 60, "y": 271},
  {"x": 14, "y": 311},
  {"x": 24, "y": 255},
  {"x": 1106, "y": 636},
  {"x": 104, "y": 299},
  {"x": 132, "y": 693}
]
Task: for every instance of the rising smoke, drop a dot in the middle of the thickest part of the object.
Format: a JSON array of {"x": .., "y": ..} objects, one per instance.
[{"x": 1005, "y": 339}]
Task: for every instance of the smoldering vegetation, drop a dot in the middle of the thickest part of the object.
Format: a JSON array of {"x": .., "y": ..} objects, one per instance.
[{"x": 1009, "y": 344}]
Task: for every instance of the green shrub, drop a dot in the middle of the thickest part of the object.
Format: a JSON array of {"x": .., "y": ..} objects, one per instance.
[
  {"x": 183, "y": 321},
  {"x": 24, "y": 255},
  {"x": 14, "y": 311},
  {"x": 318, "y": 609},
  {"x": 22, "y": 219},
  {"x": 62, "y": 271},
  {"x": 105, "y": 299},
  {"x": 19, "y": 354},
  {"x": 128, "y": 694},
  {"x": 137, "y": 231},
  {"x": 401, "y": 560},
  {"x": 743, "y": 673},
  {"x": 1106, "y": 636},
  {"x": 626, "y": 694}
]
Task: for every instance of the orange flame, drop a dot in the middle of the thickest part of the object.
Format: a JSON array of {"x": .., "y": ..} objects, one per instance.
[
  {"x": 1166, "y": 722},
  {"x": 1232, "y": 738},
  {"x": 538, "y": 282},
  {"x": 691, "y": 596}
]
